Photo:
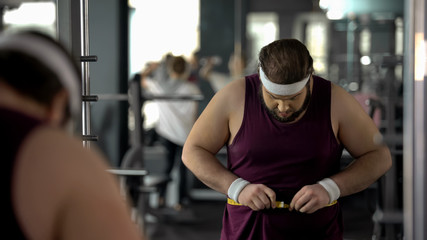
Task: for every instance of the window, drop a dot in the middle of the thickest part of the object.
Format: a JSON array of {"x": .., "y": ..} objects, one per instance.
[{"x": 34, "y": 15}]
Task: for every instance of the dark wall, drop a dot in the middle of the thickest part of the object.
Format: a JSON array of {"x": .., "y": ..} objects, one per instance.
[
  {"x": 108, "y": 40},
  {"x": 217, "y": 29}
]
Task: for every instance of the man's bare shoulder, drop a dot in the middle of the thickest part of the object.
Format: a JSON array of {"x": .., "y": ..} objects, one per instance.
[
  {"x": 220, "y": 119},
  {"x": 59, "y": 151},
  {"x": 65, "y": 181},
  {"x": 233, "y": 93},
  {"x": 336, "y": 89},
  {"x": 342, "y": 100},
  {"x": 346, "y": 111}
]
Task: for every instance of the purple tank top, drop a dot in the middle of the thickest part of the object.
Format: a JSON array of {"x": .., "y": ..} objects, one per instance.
[
  {"x": 14, "y": 127},
  {"x": 284, "y": 157}
]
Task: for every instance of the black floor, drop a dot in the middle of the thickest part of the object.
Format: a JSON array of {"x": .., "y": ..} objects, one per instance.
[{"x": 203, "y": 221}]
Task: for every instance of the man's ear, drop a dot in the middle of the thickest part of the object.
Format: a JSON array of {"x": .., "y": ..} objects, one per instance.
[{"x": 56, "y": 112}]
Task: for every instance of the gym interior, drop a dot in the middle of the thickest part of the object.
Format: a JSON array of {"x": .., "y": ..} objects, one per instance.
[{"x": 374, "y": 49}]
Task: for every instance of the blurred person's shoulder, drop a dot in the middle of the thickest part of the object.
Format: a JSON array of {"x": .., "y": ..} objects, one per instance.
[{"x": 56, "y": 147}]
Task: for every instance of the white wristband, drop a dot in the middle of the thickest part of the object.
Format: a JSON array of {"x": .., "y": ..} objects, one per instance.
[
  {"x": 236, "y": 187},
  {"x": 332, "y": 188}
]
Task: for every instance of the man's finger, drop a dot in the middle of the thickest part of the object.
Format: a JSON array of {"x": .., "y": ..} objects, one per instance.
[
  {"x": 306, "y": 207},
  {"x": 272, "y": 197},
  {"x": 301, "y": 202},
  {"x": 265, "y": 200},
  {"x": 257, "y": 205},
  {"x": 294, "y": 200}
]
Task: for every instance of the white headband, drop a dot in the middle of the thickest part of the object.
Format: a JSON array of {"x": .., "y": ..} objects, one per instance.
[
  {"x": 282, "y": 89},
  {"x": 55, "y": 60}
]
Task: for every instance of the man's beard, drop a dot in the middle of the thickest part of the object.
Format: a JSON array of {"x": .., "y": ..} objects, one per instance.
[{"x": 295, "y": 114}]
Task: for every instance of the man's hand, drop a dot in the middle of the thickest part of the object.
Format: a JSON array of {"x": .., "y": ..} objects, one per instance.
[
  {"x": 310, "y": 199},
  {"x": 257, "y": 197}
]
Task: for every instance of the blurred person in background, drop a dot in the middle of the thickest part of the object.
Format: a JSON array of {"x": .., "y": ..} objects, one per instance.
[
  {"x": 176, "y": 118},
  {"x": 237, "y": 68}
]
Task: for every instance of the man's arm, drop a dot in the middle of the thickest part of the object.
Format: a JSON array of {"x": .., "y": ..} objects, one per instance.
[
  {"x": 217, "y": 125},
  {"x": 357, "y": 132},
  {"x": 208, "y": 135}
]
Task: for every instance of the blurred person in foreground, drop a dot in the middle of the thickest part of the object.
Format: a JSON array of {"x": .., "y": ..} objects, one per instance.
[
  {"x": 55, "y": 189},
  {"x": 285, "y": 129}
]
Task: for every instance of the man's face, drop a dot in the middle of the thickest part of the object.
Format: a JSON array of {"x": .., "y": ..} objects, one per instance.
[{"x": 286, "y": 109}]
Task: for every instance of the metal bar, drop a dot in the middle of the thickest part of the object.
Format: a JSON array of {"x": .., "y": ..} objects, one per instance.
[
  {"x": 415, "y": 167},
  {"x": 125, "y": 97},
  {"x": 91, "y": 138},
  {"x": 420, "y": 125},
  {"x": 136, "y": 102},
  {"x": 419, "y": 161},
  {"x": 391, "y": 139},
  {"x": 389, "y": 217},
  {"x": 408, "y": 78},
  {"x": 92, "y": 58},
  {"x": 116, "y": 97},
  {"x": 90, "y": 98},
  {"x": 390, "y": 183},
  {"x": 84, "y": 14},
  {"x": 174, "y": 97},
  {"x": 128, "y": 172}
]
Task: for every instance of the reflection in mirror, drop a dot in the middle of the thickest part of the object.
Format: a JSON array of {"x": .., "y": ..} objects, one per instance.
[{"x": 357, "y": 44}]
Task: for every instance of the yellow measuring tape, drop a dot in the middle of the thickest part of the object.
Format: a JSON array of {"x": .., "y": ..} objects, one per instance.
[{"x": 279, "y": 204}]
